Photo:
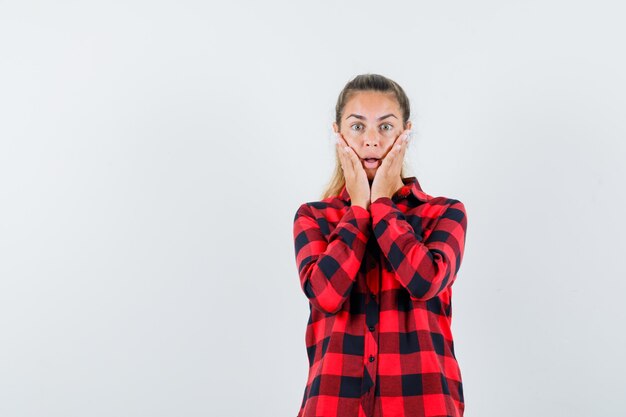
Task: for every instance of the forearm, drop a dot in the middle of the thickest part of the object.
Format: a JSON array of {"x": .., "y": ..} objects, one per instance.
[
  {"x": 328, "y": 266},
  {"x": 423, "y": 267}
]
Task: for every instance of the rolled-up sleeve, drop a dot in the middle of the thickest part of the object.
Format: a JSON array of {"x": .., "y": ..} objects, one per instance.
[
  {"x": 424, "y": 267},
  {"x": 329, "y": 261}
]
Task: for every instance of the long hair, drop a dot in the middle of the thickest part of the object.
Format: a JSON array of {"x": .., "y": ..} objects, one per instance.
[{"x": 364, "y": 82}]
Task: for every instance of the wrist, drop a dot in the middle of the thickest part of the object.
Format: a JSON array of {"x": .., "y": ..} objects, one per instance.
[
  {"x": 362, "y": 204},
  {"x": 374, "y": 198}
]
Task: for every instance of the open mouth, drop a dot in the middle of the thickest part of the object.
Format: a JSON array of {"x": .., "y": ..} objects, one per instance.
[{"x": 371, "y": 162}]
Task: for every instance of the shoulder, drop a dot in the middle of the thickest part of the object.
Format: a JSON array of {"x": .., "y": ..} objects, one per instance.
[
  {"x": 321, "y": 208},
  {"x": 444, "y": 201},
  {"x": 435, "y": 206}
]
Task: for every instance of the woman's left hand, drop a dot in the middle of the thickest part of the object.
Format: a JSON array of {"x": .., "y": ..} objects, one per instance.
[{"x": 388, "y": 179}]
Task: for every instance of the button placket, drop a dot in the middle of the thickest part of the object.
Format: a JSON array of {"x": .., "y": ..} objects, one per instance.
[{"x": 372, "y": 312}]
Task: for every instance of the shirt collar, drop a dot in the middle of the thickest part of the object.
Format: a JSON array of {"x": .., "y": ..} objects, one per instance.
[{"x": 411, "y": 186}]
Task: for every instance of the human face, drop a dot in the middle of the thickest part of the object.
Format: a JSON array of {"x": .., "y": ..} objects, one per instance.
[{"x": 371, "y": 122}]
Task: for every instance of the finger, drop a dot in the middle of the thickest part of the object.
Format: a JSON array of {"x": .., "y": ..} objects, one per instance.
[
  {"x": 395, "y": 150},
  {"x": 405, "y": 145},
  {"x": 407, "y": 135},
  {"x": 354, "y": 158},
  {"x": 401, "y": 149},
  {"x": 404, "y": 136},
  {"x": 400, "y": 155},
  {"x": 345, "y": 164},
  {"x": 349, "y": 154},
  {"x": 396, "y": 147},
  {"x": 400, "y": 137},
  {"x": 402, "y": 142},
  {"x": 396, "y": 153},
  {"x": 339, "y": 145}
]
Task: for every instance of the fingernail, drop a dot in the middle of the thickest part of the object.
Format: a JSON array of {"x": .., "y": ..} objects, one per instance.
[{"x": 345, "y": 148}]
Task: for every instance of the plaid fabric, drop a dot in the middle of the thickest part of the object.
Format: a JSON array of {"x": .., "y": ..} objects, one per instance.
[{"x": 379, "y": 286}]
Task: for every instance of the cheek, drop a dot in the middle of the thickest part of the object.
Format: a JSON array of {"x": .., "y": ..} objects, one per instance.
[
  {"x": 351, "y": 137},
  {"x": 389, "y": 139},
  {"x": 387, "y": 146}
]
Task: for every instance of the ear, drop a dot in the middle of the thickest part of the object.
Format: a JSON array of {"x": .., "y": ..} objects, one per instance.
[
  {"x": 335, "y": 127},
  {"x": 409, "y": 125}
]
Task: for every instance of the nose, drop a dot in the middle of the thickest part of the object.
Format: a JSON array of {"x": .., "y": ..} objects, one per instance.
[{"x": 371, "y": 139}]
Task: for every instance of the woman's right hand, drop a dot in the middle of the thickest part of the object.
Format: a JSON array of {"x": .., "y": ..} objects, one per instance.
[{"x": 355, "y": 176}]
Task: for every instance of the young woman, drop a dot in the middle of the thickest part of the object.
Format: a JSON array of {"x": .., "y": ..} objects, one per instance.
[{"x": 377, "y": 258}]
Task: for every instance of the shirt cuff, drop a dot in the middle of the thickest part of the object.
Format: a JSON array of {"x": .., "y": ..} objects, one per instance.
[
  {"x": 382, "y": 208},
  {"x": 360, "y": 212},
  {"x": 359, "y": 217}
]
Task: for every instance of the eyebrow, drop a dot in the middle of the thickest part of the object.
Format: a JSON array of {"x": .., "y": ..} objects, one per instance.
[{"x": 358, "y": 116}]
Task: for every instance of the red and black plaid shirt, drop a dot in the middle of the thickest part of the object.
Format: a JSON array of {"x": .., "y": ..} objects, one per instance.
[{"x": 379, "y": 286}]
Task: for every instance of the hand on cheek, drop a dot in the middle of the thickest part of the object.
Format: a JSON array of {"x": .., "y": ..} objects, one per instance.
[
  {"x": 388, "y": 176},
  {"x": 357, "y": 184}
]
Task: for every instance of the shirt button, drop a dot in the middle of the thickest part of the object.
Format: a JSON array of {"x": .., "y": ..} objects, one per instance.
[
  {"x": 371, "y": 358},
  {"x": 373, "y": 296},
  {"x": 371, "y": 328}
]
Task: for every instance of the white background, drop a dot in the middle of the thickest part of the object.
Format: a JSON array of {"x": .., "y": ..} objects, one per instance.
[{"x": 153, "y": 154}]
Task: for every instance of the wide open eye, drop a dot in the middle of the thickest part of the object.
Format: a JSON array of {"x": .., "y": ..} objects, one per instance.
[
  {"x": 390, "y": 127},
  {"x": 356, "y": 125}
]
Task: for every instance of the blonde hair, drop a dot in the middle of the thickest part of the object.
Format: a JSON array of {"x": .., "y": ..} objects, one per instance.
[{"x": 364, "y": 82}]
